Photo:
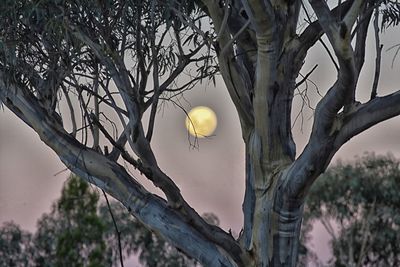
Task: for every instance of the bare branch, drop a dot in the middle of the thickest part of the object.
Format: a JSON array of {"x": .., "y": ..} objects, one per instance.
[
  {"x": 361, "y": 31},
  {"x": 156, "y": 80},
  {"x": 71, "y": 110},
  {"x": 326, "y": 20},
  {"x": 314, "y": 31},
  {"x": 353, "y": 13},
  {"x": 120, "y": 143},
  {"x": 397, "y": 50},
  {"x": 305, "y": 78},
  {"x": 328, "y": 227},
  {"x": 121, "y": 259},
  {"x": 96, "y": 137},
  {"x": 98, "y": 51},
  {"x": 378, "y": 49},
  {"x": 329, "y": 54},
  {"x": 367, "y": 115},
  {"x": 237, "y": 86}
]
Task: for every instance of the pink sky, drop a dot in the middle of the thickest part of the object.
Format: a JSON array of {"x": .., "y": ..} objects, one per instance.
[{"x": 211, "y": 178}]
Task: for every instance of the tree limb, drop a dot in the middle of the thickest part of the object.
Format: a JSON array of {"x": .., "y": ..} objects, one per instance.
[
  {"x": 353, "y": 13},
  {"x": 313, "y": 32},
  {"x": 361, "y": 31},
  {"x": 378, "y": 49},
  {"x": 367, "y": 115},
  {"x": 237, "y": 86},
  {"x": 113, "y": 178},
  {"x": 121, "y": 259},
  {"x": 156, "y": 79}
]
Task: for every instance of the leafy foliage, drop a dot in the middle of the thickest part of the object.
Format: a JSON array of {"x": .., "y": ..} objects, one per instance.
[
  {"x": 358, "y": 205},
  {"x": 73, "y": 233},
  {"x": 44, "y": 44},
  {"x": 79, "y": 231},
  {"x": 390, "y": 13},
  {"x": 15, "y": 246},
  {"x": 137, "y": 239}
]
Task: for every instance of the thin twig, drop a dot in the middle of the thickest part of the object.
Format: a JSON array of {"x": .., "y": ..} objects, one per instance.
[
  {"x": 329, "y": 54},
  {"x": 320, "y": 39},
  {"x": 96, "y": 137},
  {"x": 125, "y": 155},
  {"x": 156, "y": 80},
  {"x": 116, "y": 229},
  {"x": 306, "y": 76},
  {"x": 397, "y": 46},
  {"x": 71, "y": 110},
  {"x": 378, "y": 48}
]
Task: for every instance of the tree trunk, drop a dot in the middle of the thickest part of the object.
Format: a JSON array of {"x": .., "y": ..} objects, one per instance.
[
  {"x": 260, "y": 51},
  {"x": 272, "y": 219}
]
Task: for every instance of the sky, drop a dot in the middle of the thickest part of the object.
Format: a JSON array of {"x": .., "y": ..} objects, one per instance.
[{"x": 211, "y": 177}]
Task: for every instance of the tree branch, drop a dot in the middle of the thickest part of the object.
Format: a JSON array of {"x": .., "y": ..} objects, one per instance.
[
  {"x": 305, "y": 78},
  {"x": 156, "y": 79},
  {"x": 236, "y": 84},
  {"x": 121, "y": 259},
  {"x": 142, "y": 148},
  {"x": 361, "y": 31},
  {"x": 314, "y": 31},
  {"x": 353, "y": 13},
  {"x": 378, "y": 49},
  {"x": 326, "y": 19},
  {"x": 113, "y": 178},
  {"x": 367, "y": 115}
]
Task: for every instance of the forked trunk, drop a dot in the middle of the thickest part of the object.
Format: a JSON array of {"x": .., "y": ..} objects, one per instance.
[
  {"x": 272, "y": 220},
  {"x": 260, "y": 51}
]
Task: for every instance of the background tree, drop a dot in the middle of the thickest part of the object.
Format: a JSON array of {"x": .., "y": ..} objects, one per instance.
[
  {"x": 357, "y": 203},
  {"x": 111, "y": 62},
  {"x": 79, "y": 231},
  {"x": 153, "y": 250},
  {"x": 15, "y": 247},
  {"x": 72, "y": 234}
]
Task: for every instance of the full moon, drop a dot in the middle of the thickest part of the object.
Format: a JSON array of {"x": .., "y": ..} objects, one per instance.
[{"x": 201, "y": 121}]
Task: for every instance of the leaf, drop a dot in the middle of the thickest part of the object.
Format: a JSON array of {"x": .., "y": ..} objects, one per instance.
[{"x": 390, "y": 14}]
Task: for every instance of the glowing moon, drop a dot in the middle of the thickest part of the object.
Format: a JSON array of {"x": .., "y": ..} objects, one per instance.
[{"x": 201, "y": 121}]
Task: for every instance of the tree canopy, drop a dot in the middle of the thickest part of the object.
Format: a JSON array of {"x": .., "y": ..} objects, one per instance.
[
  {"x": 89, "y": 76},
  {"x": 79, "y": 231},
  {"x": 357, "y": 203}
]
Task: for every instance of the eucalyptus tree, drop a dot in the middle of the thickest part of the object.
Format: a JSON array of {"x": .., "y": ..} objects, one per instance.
[
  {"x": 108, "y": 64},
  {"x": 357, "y": 203},
  {"x": 15, "y": 249},
  {"x": 80, "y": 231}
]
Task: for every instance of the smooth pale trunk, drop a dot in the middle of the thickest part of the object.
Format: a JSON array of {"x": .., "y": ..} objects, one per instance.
[{"x": 272, "y": 220}]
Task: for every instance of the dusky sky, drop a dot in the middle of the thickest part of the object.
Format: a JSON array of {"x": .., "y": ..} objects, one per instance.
[{"x": 211, "y": 177}]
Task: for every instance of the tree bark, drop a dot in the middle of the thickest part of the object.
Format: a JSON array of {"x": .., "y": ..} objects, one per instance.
[
  {"x": 260, "y": 54},
  {"x": 108, "y": 175}
]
